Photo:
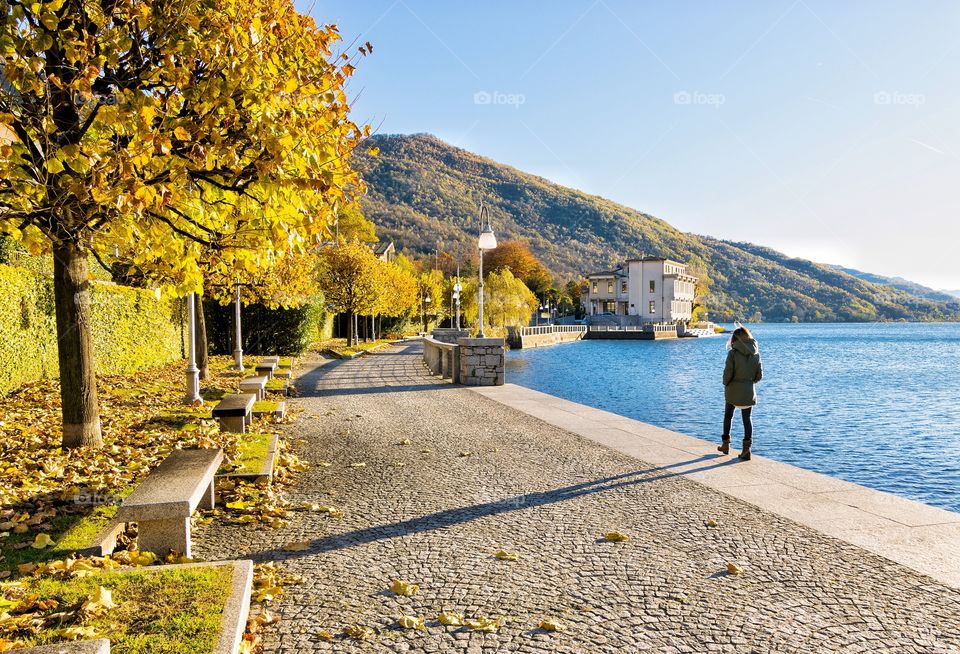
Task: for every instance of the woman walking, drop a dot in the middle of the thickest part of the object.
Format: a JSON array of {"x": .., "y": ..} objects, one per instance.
[{"x": 742, "y": 370}]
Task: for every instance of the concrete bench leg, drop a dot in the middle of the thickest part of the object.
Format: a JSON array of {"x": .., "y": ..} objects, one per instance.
[
  {"x": 158, "y": 536},
  {"x": 234, "y": 424},
  {"x": 248, "y": 419},
  {"x": 209, "y": 500}
]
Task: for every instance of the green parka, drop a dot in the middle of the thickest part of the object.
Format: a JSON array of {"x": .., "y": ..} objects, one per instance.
[{"x": 742, "y": 370}]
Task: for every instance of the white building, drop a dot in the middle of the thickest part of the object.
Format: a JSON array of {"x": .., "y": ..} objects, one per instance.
[{"x": 654, "y": 289}]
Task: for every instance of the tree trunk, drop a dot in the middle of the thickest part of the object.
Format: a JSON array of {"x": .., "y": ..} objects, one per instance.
[
  {"x": 203, "y": 358},
  {"x": 78, "y": 379}
]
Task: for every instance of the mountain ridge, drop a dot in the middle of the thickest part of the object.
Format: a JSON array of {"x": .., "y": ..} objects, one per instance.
[{"x": 422, "y": 190}]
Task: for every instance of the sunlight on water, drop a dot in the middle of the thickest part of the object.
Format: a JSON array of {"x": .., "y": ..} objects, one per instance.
[{"x": 876, "y": 404}]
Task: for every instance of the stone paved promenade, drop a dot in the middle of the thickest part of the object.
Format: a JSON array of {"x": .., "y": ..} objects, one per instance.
[{"x": 479, "y": 476}]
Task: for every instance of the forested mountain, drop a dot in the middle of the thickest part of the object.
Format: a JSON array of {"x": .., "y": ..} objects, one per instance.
[
  {"x": 424, "y": 193},
  {"x": 913, "y": 288}
]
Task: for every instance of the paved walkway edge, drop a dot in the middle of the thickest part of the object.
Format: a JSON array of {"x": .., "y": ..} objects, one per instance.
[{"x": 922, "y": 537}]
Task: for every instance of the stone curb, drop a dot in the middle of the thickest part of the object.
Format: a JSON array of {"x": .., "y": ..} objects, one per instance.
[{"x": 99, "y": 646}]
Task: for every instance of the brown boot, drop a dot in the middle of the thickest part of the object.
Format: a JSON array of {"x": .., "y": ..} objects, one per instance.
[
  {"x": 724, "y": 446},
  {"x": 745, "y": 452}
]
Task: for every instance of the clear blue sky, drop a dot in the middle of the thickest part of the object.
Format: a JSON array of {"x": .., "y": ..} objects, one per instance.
[{"x": 828, "y": 130}]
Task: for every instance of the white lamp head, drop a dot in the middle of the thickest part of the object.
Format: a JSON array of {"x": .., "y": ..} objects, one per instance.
[{"x": 487, "y": 240}]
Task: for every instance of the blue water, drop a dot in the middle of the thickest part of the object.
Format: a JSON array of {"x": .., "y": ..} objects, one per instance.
[{"x": 875, "y": 404}]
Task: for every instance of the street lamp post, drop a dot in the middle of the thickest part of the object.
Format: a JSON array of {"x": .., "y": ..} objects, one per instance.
[
  {"x": 193, "y": 373},
  {"x": 457, "y": 287},
  {"x": 238, "y": 347},
  {"x": 487, "y": 241},
  {"x": 426, "y": 303}
]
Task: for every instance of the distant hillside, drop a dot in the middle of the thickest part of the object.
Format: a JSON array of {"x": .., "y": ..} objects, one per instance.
[
  {"x": 905, "y": 285},
  {"x": 424, "y": 191},
  {"x": 955, "y": 293}
]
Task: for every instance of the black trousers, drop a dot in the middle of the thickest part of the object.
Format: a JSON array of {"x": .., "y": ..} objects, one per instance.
[{"x": 747, "y": 423}]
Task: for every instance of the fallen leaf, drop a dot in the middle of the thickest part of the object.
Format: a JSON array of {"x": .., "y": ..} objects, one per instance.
[
  {"x": 358, "y": 632},
  {"x": 41, "y": 541},
  {"x": 324, "y": 464},
  {"x": 358, "y": 464},
  {"x": 616, "y": 537},
  {"x": 325, "y": 634},
  {"x": 711, "y": 522},
  {"x": 504, "y": 555},
  {"x": 299, "y": 546},
  {"x": 405, "y": 441},
  {"x": 405, "y": 588},
  {"x": 410, "y": 622},
  {"x": 99, "y": 601},
  {"x": 487, "y": 625},
  {"x": 450, "y": 618},
  {"x": 465, "y": 454},
  {"x": 551, "y": 624},
  {"x": 734, "y": 569}
]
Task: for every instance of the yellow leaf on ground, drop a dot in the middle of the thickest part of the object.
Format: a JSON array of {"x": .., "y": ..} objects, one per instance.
[
  {"x": 734, "y": 569},
  {"x": 467, "y": 453},
  {"x": 405, "y": 441},
  {"x": 142, "y": 558},
  {"x": 325, "y": 634},
  {"x": 41, "y": 541},
  {"x": 487, "y": 625},
  {"x": 358, "y": 464},
  {"x": 450, "y": 618},
  {"x": 405, "y": 588},
  {"x": 616, "y": 537},
  {"x": 99, "y": 601},
  {"x": 410, "y": 622},
  {"x": 358, "y": 632},
  {"x": 711, "y": 522},
  {"x": 299, "y": 546},
  {"x": 324, "y": 464},
  {"x": 551, "y": 624},
  {"x": 239, "y": 504},
  {"x": 504, "y": 555}
]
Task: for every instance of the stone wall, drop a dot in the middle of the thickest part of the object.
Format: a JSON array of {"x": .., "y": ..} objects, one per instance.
[
  {"x": 481, "y": 361},
  {"x": 449, "y": 335}
]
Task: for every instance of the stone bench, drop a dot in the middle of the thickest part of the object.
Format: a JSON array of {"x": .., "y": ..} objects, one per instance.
[
  {"x": 254, "y": 385},
  {"x": 271, "y": 359},
  {"x": 163, "y": 503},
  {"x": 99, "y": 646},
  {"x": 266, "y": 369},
  {"x": 235, "y": 412}
]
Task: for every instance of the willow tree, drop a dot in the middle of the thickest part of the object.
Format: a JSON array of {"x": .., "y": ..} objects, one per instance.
[{"x": 195, "y": 130}]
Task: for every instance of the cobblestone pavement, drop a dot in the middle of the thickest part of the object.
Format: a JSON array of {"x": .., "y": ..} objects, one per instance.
[{"x": 437, "y": 519}]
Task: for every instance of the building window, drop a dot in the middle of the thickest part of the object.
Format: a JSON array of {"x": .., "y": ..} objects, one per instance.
[
  {"x": 609, "y": 287},
  {"x": 610, "y": 307},
  {"x": 653, "y": 306},
  {"x": 623, "y": 287},
  {"x": 594, "y": 287},
  {"x": 653, "y": 286}
]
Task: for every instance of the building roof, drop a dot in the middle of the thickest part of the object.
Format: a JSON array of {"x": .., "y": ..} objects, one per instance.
[{"x": 382, "y": 247}]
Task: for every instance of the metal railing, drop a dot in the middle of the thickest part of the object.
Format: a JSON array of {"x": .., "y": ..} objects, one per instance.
[
  {"x": 552, "y": 329},
  {"x": 646, "y": 327}
]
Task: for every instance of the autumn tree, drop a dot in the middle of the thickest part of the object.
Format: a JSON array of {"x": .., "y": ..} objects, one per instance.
[
  {"x": 697, "y": 267},
  {"x": 350, "y": 278},
  {"x": 183, "y": 129},
  {"x": 517, "y": 257},
  {"x": 507, "y": 302}
]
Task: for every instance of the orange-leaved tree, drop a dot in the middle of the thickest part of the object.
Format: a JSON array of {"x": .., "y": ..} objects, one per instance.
[{"x": 176, "y": 130}]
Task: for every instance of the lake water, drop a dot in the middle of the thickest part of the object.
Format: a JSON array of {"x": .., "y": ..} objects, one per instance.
[{"x": 875, "y": 404}]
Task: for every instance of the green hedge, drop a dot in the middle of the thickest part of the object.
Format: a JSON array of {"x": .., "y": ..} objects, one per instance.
[
  {"x": 131, "y": 328},
  {"x": 265, "y": 331}
]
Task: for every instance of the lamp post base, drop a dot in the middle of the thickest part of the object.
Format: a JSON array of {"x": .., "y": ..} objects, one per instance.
[{"x": 193, "y": 387}]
